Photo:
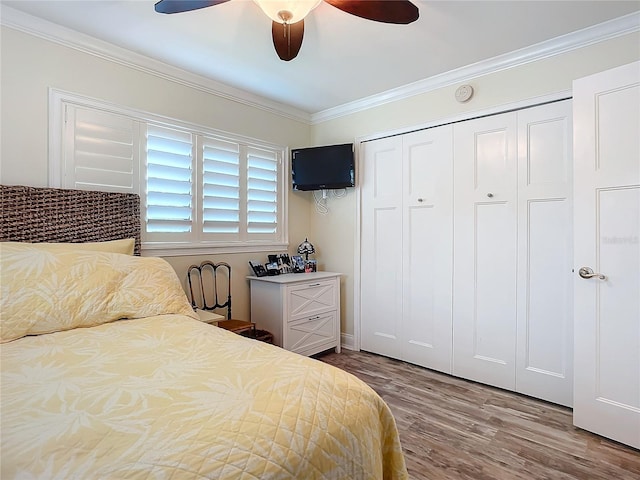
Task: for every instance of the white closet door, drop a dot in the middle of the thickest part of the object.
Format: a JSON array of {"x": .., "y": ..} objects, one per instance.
[
  {"x": 381, "y": 246},
  {"x": 427, "y": 245},
  {"x": 545, "y": 253},
  {"x": 484, "y": 273},
  {"x": 607, "y": 232}
]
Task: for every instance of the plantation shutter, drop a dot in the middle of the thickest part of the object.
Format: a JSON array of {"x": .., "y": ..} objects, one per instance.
[
  {"x": 101, "y": 151},
  {"x": 220, "y": 187},
  {"x": 170, "y": 196},
  {"x": 199, "y": 189},
  {"x": 262, "y": 193}
]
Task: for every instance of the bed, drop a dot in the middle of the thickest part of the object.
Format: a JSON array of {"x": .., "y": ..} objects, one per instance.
[{"x": 107, "y": 373}]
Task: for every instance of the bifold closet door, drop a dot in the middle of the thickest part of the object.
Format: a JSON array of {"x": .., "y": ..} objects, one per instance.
[
  {"x": 428, "y": 247},
  {"x": 544, "y": 359},
  {"x": 485, "y": 240},
  {"x": 381, "y": 246},
  {"x": 406, "y": 247}
]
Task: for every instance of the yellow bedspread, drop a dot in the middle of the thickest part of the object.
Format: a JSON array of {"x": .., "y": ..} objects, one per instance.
[{"x": 167, "y": 397}]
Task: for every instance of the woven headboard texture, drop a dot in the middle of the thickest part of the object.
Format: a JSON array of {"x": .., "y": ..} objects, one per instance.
[{"x": 37, "y": 214}]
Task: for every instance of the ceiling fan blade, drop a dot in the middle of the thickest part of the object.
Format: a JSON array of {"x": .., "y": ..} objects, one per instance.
[
  {"x": 287, "y": 39},
  {"x": 387, "y": 11},
  {"x": 177, "y": 6}
]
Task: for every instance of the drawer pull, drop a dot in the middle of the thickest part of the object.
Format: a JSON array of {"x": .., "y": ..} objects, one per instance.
[{"x": 313, "y": 285}]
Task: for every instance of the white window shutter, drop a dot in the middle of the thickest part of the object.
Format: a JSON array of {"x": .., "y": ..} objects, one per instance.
[
  {"x": 262, "y": 193},
  {"x": 198, "y": 188},
  {"x": 169, "y": 184},
  {"x": 100, "y": 150},
  {"x": 220, "y": 187}
]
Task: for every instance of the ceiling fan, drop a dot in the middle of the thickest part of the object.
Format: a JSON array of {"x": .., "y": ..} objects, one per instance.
[{"x": 287, "y": 16}]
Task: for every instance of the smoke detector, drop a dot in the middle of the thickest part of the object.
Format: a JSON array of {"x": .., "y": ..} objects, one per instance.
[{"x": 464, "y": 93}]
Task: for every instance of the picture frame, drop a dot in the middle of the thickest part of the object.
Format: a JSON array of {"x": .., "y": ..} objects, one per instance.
[
  {"x": 258, "y": 269},
  {"x": 284, "y": 263},
  {"x": 284, "y": 259},
  {"x": 297, "y": 262},
  {"x": 272, "y": 268}
]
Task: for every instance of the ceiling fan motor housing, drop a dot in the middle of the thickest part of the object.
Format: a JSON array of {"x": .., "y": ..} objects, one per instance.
[{"x": 285, "y": 15}]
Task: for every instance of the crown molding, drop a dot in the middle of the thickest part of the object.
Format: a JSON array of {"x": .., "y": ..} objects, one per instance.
[
  {"x": 52, "y": 32},
  {"x": 556, "y": 46}
]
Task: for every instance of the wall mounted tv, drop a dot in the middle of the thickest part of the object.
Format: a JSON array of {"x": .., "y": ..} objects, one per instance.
[{"x": 322, "y": 168}]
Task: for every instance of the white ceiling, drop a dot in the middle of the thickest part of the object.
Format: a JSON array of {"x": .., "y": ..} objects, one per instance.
[{"x": 343, "y": 58}]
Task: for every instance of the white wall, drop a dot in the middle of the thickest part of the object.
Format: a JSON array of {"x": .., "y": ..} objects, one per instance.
[
  {"x": 334, "y": 235},
  {"x": 30, "y": 65}
]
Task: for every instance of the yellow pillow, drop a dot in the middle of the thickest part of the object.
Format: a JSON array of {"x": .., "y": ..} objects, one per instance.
[
  {"x": 46, "y": 291},
  {"x": 124, "y": 246}
]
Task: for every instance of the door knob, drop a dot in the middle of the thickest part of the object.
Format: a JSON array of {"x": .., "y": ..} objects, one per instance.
[{"x": 586, "y": 272}]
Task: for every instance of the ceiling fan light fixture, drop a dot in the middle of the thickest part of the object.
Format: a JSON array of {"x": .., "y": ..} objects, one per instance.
[
  {"x": 287, "y": 16},
  {"x": 287, "y": 11}
]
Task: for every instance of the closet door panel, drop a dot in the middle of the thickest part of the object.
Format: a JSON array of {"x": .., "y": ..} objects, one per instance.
[
  {"x": 493, "y": 312},
  {"x": 484, "y": 273},
  {"x": 545, "y": 232},
  {"x": 381, "y": 249},
  {"x": 418, "y": 325},
  {"x": 427, "y": 246}
]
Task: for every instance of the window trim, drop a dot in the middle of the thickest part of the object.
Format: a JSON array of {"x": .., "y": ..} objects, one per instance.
[{"x": 58, "y": 99}]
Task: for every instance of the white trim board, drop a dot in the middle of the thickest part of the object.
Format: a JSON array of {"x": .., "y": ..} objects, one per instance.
[
  {"x": 556, "y": 46},
  {"x": 347, "y": 342},
  {"x": 54, "y": 33},
  {"x": 506, "y": 107},
  {"x": 31, "y": 25}
]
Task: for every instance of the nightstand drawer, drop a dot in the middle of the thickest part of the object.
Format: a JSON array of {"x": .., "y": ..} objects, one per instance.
[
  {"x": 312, "y": 335},
  {"x": 311, "y": 299}
]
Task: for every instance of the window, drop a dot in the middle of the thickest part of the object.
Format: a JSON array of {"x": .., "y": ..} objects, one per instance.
[
  {"x": 169, "y": 184},
  {"x": 199, "y": 189}
]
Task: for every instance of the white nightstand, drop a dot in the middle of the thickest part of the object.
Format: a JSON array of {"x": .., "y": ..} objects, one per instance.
[{"x": 301, "y": 310}]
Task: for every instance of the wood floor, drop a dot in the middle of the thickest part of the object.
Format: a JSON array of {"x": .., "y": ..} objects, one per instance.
[{"x": 455, "y": 429}]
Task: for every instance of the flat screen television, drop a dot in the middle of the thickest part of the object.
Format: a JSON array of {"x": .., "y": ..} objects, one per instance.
[{"x": 322, "y": 168}]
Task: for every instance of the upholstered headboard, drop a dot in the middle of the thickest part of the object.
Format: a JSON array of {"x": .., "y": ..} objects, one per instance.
[{"x": 35, "y": 214}]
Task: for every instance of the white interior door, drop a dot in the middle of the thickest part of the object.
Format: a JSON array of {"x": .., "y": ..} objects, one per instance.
[
  {"x": 381, "y": 246},
  {"x": 544, "y": 358},
  {"x": 607, "y": 232},
  {"x": 427, "y": 246},
  {"x": 484, "y": 272}
]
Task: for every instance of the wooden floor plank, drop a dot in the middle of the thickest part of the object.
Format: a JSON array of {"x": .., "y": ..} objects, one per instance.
[{"x": 455, "y": 429}]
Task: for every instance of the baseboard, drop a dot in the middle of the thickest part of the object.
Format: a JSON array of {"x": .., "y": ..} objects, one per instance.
[{"x": 347, "y": 341}]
